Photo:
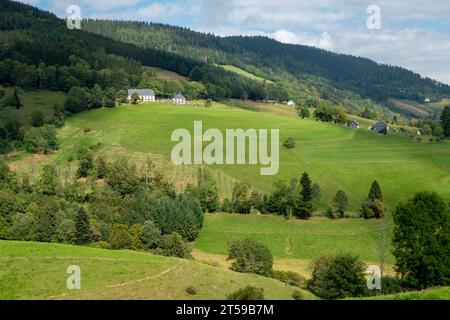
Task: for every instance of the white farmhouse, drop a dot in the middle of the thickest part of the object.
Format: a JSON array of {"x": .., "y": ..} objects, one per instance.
[
  {"x": 179, "y": 99},
  {"x": 291, "y": 103},
  {"x": 145, "y": 95}
]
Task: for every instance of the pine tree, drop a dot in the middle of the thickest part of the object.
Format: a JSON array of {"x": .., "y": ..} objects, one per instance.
[
  {"x": 16, "y": 102},
  {"x": 375, "y": 192},
  {"x": 445, "y": 117},
  {"x": 83, "y": 233},
  {"x": 373, "y": 207},
  {"x": 307, "y": 190}
]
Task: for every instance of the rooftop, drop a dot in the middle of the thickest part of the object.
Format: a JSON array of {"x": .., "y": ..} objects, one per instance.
[{"x": 141, "y": 92}]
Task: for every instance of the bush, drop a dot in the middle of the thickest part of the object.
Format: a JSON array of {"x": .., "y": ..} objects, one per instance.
[
  {"x": 191, "y": 290},
  {"x": 172, "y": 245},
  {"x": 41, "y": 140},
  {"x": 298, "y": 295},
  {"x": 289, "y": 143},
  {"x": 338, "y": 277},
  {"x": 120, "y": 237},
  {"x": 101, "y": 245},
  {"x": 392, "y": 285},
  {"x": 247, "y": 293},
  {"x": 150, "y": 235},
  {"x": 290, "y": 278},
  {"x": 250, "y": 256}
]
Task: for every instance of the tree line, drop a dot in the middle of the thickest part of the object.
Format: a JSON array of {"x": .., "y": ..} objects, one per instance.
[{"x": 106, "y": 205}]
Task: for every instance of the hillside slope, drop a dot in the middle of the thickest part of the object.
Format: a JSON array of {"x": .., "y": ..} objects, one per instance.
[
  {"x": 38, "y": 271},
  {"x": 270, "y": 59},
  {"x": 336, "y": 157}
]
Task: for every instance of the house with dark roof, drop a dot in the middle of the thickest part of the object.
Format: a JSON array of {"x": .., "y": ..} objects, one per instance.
[
  {"x": 145, "y": 95},
  {"x": 380, "y": 127},
  {"x": 179, "y": 99},
  {"x": 353, "y": 125}
]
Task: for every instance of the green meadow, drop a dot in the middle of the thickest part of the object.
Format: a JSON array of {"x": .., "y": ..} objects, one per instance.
[
  {"x": 38, "y": 271},
  {"x": 244, "y": 73},
  {"x": 335, "y": 157},
  {"x": 295, "y": 239}
]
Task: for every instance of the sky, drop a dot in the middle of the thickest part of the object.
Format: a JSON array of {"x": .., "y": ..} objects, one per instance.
[{"x": 414, "y": 34}]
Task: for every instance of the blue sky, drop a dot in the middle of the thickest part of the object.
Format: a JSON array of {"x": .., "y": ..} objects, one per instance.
[{"x": 414, "y": 34}]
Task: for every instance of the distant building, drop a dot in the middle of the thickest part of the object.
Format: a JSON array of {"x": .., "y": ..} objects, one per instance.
[
  {"x": 354, "y": 124},
  {"x": 179, "y": 99},
  {"x": 291, "y": 103},
  {"x": 380, "y": 127},
  {"x": 145, "y": 95},
  {"x": 427, "y": 100},
  {"x": 422, "y": 132}
]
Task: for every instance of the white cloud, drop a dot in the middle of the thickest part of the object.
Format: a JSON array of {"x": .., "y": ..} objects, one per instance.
[
  {"x": 158, "y": 10},
  {"x": 415, "y": 33},
  {"x": 323, "y": 41}
]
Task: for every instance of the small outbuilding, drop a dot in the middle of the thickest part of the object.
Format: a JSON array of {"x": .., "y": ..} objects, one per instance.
[
  {"x": 380, "y": 127},
  {"x": 354, "y": 125},
  {"x": 291, "y": 103}
]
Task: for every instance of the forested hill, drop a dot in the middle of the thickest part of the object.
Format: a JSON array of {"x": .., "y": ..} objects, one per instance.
[
  {"x": 38, "y": 51},
  {"x": 270, "y": 59}
]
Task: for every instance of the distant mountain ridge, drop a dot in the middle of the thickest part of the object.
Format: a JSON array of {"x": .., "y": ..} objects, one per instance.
[{"x": 268, "y": 58}]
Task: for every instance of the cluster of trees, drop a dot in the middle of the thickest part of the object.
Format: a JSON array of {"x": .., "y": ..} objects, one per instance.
[
  {"x": 127, "y": 211},
  {"x": 40, "y": 139},
  {"x": 327, "y": 114},
  {"x": 296, "y": 199},
  {"x": 43, "y": 53},
  {"x": 422, "y": 241}
]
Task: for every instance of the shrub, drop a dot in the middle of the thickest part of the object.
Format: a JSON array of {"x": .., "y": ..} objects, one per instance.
[
  {"x": 191, "y": 290},
  {"x": 290, "y": 278},
  {"x": 150, "y": 235},
  {"x": 298, "y": 295},
  {"x": 247, "y": 293},
  {"x": 37, "y": 118},
  {"x": 338, "y": 205},
  {"x": 250, "y": 256},
  {"x": 41, "y": 140},
  {"x": 338, "y": 277},
  {"x": 120, "y": 237},
  {"x": 172, "y": 245},
  {"x": 101, "y": 245},
  {"x": 289, "y": 143},
  {"x": 392, "y": 285}
]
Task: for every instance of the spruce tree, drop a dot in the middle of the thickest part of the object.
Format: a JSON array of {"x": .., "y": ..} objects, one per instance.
[
  {"x": 15, "y": 102},
  {"x": 375, "y": 192},
  {"x": 83, "y": 233},
  {"x": 445, "y": 117},
  {"x": 307, "y": 190}
]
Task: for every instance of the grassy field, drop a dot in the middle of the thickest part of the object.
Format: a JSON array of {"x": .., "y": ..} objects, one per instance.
[
  {"x": 294, "y": 239},
  {"x": 44, "y": 101},
  {"x": 38, "y": 271},
  {"x": 336, "y": 157},
  {"x": 428, "y": 294},
  {"x": 166, "y": 74},
  {"x": 244, "y": 73}
]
